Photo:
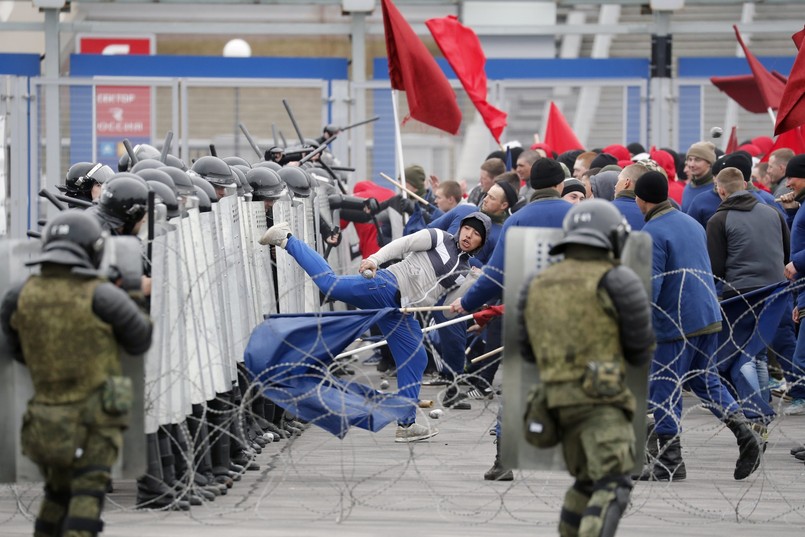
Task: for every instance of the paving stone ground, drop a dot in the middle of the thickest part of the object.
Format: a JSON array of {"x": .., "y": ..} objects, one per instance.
[{"x": 318, "y": 485}]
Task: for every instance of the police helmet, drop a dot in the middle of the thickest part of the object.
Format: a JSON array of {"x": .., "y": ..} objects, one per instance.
[
  {"x": 182, "y": 182},
  {"x": 270, "y": 164},
  {"x": 331, "y": 130},
  {"x": 173, "y": 161},
  {"x": 243, "y": 186},
  {"x": 266, "y": 184},
  {"x": 124, "y": 201},
  {"x": 147, "y": 164},
  {"x": 204, "y": 186},
  {"x": 82, "y": 175},
  {"x": 167, "y": 196},
  {"x": 297, "y": 181},
  {"x": 595, "y": 223},
  {"x": 141, "y": 152},
  {"x": 204, "y": 203},
  {"x": 236, "y": 161},
  {"x": 214, "y": 170},
  {"x": 160, "y": 176},
  {"x": 274, "y": 153},
  {"x": 71, "y": 238}
]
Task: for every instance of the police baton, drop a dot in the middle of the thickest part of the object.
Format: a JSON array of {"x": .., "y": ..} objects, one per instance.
[
  {"x": 293, "y": 121},
  {"x": 251, "y": 141},
  {"x": 149, "y": 249},
  {"x": 166, "y": 146},
  {"x": 52, "y": 198},
  {"x": 130, "y": 151},
  {"x": 359, "y": 123}
]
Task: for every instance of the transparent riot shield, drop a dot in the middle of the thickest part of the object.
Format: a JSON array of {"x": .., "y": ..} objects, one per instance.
[
  {"x": 257, "y": 259},
  {"x": 224, "y": 236},
  {"x": 523, "y": 262},
  {"x": 210, "y": 275},
  {"x": 290, "y": 276},
  {"x": 15, "y": 382}
]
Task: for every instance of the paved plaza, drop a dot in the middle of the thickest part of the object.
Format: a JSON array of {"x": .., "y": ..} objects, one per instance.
[{"x": 366, "y": 485}]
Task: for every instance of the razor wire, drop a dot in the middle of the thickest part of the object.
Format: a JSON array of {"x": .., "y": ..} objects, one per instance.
[{"x": 213, "y": 285}]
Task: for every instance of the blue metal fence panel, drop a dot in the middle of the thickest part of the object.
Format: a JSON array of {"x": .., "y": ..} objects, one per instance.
[
  {"x": 634, "y": 116},
  {"x": 690, "y": 116}
]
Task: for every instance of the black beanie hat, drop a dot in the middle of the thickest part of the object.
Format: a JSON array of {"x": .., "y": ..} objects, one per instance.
[
  {"x": 546, "y": 173},
  {"x": 652, "y": 187},
  {"x": 602, "y": 160},
  {"x": 796, "y": 167},
  {"x": 635, "y": 148},
  {"x": 508, "y": 190},
  {"x": 739, "y": 159},
  {"x": 477, "y": 225},
  {"x": 573, "y": 185}
]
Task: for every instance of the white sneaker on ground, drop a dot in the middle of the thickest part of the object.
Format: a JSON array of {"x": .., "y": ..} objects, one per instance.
[
  {"x": 276, "y": 235},
  {"x": 796, "y": 408},
  {"x": 414, "y": 433}
]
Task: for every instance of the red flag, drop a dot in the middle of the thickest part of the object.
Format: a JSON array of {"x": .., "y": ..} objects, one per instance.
[
  {"x": 742, "y": 89},
  {"x": 463, "y": 52},
  {"x": 413, "y": 70},
  {"x": 558, "y": 133},
  {"x": 791, "y": 139},
  {"x": 792, "y": 104},
  {"x": 769, "y": 86},
  {"x": 732, "y": 143}
]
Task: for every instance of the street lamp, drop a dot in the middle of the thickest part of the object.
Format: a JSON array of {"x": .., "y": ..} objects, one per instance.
[{"x": 237, "y": 48}]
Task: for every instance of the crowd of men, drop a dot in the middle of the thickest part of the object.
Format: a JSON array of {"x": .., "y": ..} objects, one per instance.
[{"x": 722, "y": 226}]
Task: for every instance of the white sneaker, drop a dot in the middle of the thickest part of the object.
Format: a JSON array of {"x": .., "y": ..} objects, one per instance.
[
  {"x": 276, "y": 235},
  {"x": 796, "y": 408},
  {"x": 414, "y": 433}
]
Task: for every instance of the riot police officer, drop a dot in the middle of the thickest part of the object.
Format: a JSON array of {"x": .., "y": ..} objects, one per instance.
[
  {"x": 73, "y": 428},
  {"x": 584, "y": 319},
  {"x": 84, "y": 180}
]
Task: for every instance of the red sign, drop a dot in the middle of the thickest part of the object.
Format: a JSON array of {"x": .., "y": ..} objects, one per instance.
[
  {"x": 115, "y": 45},
  {"x": 123, "y": 111}
]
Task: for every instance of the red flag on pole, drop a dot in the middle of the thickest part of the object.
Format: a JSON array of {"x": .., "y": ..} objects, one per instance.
[
  {"x": 742, "y": 89},
  {"x": 558, "y": 133},
  {"x": 462, "y": 49},
  {"x": 732, "y": 143},
  {"x": 413, "y": 70},
  {"x": 769, "y": 86},
  {"x": 791, "y": 139},
  {"x": 792, "y": 104}
]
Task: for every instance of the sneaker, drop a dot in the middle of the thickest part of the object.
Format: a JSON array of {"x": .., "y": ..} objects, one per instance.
[
  {"x": 480, "y": 395},
  {"x": 796, "y": 408},
  {"x": 435, "y": 380},
  {"x": 777, "y": 385},
  {"x": 414, "y": 433},
  {"x": 276, "y": 235}
]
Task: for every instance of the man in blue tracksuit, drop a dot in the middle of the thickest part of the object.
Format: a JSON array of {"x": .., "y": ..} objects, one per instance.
[
  {"x": 686, "y": 320},
  {"x": 795, "y": 271},
  {"x": 432, "y": 262},
  {"x": 625, "y": 198},
  {"x": 547, "y": 209},
  {"x": 453, "y": 338},
  {"x": 698, "y": 167}
]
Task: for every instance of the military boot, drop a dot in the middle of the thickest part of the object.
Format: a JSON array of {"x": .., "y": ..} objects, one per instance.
[
  {"x": 749, "y": 446},
  {"x": 202, "y": 459},
  {"x": 668, "y": 466},
  {"x": 167, "y": 459},
  {"x": 498, "y": 472},
  {"x": 152, "y": 491},
  {"x": 218, "y": 415}
]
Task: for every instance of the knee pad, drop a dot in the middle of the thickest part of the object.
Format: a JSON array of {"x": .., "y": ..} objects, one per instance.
[
  {"x": 607, "y": 504},
  {"x": 576, "y": 499}
]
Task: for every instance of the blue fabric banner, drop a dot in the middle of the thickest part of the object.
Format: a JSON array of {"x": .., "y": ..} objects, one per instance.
[{"x": 289, "y": 355}]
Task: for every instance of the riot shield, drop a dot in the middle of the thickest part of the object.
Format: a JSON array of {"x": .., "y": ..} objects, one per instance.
[{"x": 523, "y": 262}]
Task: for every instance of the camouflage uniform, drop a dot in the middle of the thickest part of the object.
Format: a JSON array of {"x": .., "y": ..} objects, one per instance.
[
  {"x": 574, "y": 333},
  {"x": 68, "y": 328}
]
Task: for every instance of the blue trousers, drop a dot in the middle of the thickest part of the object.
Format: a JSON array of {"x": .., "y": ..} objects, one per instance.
[
  {"x": 794, "y": 368},
  {"x": 686, "y": 363},
  {"x": 452, "y": 345},
  {"x": 741, "y": 373},
  {"x": 403, "y": 333}
]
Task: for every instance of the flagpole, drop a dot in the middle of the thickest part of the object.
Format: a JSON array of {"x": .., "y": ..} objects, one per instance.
[
  {"x": 398, "y": 139},
  {"x": 424, "y": 331},
  {"x": 772, "y": 115},
  {"x": 485, "y": 356}
]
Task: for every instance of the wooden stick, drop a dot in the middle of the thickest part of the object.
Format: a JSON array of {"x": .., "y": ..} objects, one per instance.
[
  {"x": 384, "y": 342},
  {"x": 398, "y": 185},
  {"x": 425, "y": 308},
  {"x": 487, "y": 355}
]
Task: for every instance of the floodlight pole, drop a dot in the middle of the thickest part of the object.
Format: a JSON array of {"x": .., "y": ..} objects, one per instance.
[{"x": 660, "y": 84}]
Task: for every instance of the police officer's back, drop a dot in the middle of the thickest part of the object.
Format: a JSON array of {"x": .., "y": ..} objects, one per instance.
[
  {"x": 585, "y": 318},
  {"x": 68, "y": 325}
]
